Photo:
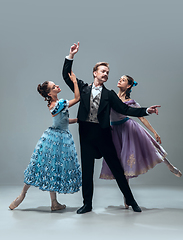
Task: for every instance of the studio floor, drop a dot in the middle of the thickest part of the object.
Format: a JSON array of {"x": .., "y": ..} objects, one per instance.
[{"x": 161, "y": 217}]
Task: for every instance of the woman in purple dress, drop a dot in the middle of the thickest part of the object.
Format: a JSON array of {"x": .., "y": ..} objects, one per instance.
[{"x": 137, "y": 150}]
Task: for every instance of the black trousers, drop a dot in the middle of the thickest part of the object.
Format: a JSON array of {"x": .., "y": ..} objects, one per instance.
[{"x": 96, "y": 143}]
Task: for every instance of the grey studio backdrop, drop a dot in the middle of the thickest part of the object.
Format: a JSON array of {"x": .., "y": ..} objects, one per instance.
[{"x": 140, "y": 38}]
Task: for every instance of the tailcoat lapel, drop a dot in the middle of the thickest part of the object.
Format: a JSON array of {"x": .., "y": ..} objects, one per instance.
[
  {"x": 103, "y": 100},
  {"x": 86, "y": 93}
]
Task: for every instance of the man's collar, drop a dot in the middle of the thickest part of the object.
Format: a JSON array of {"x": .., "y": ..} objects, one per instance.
[{"x": 97, "y": 88}]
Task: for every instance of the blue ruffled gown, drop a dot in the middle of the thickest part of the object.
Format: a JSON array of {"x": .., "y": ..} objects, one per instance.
[{"x": 54, "y": 163}]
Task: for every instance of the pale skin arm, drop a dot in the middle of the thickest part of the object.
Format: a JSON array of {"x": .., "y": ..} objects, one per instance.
[
  {"x": 73, "y": 120},
  {"x": 148, "y": 126},
  {"x": 76, "y": 90}
]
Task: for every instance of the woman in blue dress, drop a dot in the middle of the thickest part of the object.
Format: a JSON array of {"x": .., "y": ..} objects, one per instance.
[{"x": 54, "y": 165}]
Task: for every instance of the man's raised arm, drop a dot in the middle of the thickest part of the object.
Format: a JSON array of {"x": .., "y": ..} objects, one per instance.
[{"x": 68, "y": 65}]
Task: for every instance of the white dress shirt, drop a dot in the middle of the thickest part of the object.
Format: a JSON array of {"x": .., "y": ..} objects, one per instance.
[{"x": 96, "y": 90}]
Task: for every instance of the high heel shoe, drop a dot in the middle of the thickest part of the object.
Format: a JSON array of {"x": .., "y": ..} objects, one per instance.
[
  {"x": 57, "y": 206},
  {"x": 17, "y": 201}
]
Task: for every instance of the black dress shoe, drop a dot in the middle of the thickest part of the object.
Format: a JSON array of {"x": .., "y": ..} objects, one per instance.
[
  {"x": 136, "y": 207},
  {"x": 84, "y": 209}
]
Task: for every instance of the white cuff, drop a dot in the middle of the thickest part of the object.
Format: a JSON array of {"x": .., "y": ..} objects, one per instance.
[
  {"x": 147, "y": 111},
  {"x": 68, "y": 58}
]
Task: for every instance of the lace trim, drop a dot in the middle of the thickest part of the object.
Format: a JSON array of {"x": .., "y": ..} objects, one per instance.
[
  {"x": 131, "y": 161},
  {"x": 60, "y": 105},
  {"x": 105, "y": 176},
  {"x": 130, "y": 174}
]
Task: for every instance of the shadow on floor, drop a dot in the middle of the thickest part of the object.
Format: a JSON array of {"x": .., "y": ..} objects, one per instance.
[{"x": 47, "y": 209}]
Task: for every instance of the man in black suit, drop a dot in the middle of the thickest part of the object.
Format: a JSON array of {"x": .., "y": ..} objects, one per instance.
[{"x": 94, "y": 128}]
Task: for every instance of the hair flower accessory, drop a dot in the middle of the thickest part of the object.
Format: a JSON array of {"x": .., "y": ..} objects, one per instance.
[{"x": 135, "y": 84}]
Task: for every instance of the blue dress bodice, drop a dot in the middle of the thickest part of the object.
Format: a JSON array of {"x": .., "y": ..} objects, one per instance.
[{"x": 60, "y": 115}]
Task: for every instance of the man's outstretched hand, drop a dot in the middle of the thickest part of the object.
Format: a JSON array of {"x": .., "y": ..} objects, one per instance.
[
  {"x": 73, "y": 50},
  {"x": 153, "y": 109}
]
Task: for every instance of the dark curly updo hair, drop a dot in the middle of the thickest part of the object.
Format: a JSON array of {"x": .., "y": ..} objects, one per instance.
[
  {"x": 130, "y": 82},
  {"x": 43, "y": 89}
]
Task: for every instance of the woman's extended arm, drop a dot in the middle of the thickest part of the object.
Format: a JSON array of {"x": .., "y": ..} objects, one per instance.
[
  {"x": 76, "y": 90},
  {"x": 148, "y": 125},
  {"x": 73, "y": 120}
]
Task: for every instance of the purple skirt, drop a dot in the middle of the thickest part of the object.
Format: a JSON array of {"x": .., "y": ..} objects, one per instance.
[{"x": 137, "y": 150}]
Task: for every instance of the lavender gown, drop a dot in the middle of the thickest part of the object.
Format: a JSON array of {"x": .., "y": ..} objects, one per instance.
[{"x": 137, "y": 150}]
